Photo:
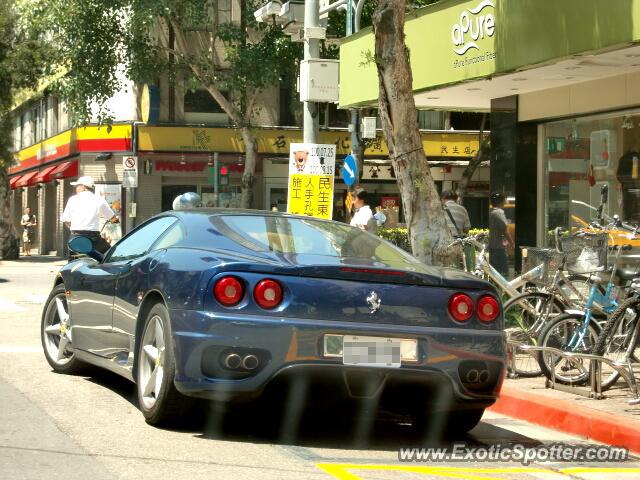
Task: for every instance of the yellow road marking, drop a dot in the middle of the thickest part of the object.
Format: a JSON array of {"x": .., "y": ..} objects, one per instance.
[{"x": 342, "y": 471}]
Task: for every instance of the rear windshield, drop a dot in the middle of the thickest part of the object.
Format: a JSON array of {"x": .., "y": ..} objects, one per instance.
[{"x": 307, "y": 237}]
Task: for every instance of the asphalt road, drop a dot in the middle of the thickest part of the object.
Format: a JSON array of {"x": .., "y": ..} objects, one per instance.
[{"x": 55, "y": 426}]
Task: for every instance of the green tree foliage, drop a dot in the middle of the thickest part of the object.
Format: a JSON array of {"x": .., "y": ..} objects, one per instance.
[
  {"x": 100, "y": 43},
  {"x": 21, "y": 65},
  {"x": 337, "y": 26}
]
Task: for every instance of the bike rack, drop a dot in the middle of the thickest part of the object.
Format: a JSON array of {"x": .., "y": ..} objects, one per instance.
[{"x": 595, "y": 371}]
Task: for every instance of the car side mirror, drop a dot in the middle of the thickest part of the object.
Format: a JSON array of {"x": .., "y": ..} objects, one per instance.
[{"x": 84, "y": 245}]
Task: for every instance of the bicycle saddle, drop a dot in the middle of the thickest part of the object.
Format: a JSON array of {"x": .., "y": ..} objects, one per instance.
[{"x": 626, "y": 274}]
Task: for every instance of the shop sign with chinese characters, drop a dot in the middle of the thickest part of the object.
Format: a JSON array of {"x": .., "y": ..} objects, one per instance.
[{"x": 311, "y": 176}]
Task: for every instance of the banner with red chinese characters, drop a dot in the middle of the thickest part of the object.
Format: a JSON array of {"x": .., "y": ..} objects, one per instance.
[{"x": 311, "y": 178}]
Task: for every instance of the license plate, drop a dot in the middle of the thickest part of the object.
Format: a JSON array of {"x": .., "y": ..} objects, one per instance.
[{"x": 371, "y": 351}]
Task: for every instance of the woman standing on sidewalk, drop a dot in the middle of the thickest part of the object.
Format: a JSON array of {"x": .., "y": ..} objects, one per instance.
[{"x": 28, "y": 223}]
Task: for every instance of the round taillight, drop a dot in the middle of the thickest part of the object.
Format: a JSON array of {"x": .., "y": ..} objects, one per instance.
[
  {"x": 228, "y": 291},
  {"x": 488, "y": 309},
  {"x": 268, "y": 294},
  {"x": 461, "y": 307}
]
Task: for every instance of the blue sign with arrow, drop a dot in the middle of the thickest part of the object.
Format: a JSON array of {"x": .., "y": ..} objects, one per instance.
[{"x": 349, "y": 170}]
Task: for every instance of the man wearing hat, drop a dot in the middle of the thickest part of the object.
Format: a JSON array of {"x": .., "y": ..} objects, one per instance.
[{"x": 83, "y": 211}]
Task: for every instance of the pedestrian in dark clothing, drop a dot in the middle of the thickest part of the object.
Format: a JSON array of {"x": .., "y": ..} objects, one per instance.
[{"x": 499, "y": 236}]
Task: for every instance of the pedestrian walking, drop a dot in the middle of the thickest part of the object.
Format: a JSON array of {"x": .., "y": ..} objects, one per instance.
[
  {"x": 28, "y": 223},
  {"x": 363, "y": 217},
  {"x": 83, "y": 212},
  {"x": 459, "y": 225},
  {"x": 499, "y": 236},
  {"x": 457, "y": 216}
]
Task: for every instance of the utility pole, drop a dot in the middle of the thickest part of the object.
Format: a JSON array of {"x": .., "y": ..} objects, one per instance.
[
  {"x": 311, "y": 51},
  {"x": 357, "y": 150}
]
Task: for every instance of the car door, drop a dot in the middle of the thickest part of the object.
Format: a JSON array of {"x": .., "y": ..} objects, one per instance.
[
  {"x": 92, "y": 288},
  {"x": 136, "y": 257}
]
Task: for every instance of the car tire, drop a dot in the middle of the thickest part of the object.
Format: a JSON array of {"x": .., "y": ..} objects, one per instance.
[
  {"x": 56, "y": 334},
  {"x": 159, "y": 400}
]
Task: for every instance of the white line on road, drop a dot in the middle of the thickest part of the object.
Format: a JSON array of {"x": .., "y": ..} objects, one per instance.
[{"x": 19, "y": 349}]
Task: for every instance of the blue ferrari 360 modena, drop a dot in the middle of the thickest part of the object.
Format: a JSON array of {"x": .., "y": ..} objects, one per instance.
[{"x": 221, "y": 304}]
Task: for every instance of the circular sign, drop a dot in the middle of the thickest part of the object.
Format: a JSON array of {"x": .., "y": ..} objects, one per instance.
[
  {"x": 130, "y": 162},
  {"x": 349, "y": 170},
  {"x": 150, "y": 104}
]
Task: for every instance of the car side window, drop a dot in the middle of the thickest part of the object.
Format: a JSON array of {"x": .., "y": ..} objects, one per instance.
[
  {"x": 141, "y": 240},
  {"x": 173, "y": 236}
]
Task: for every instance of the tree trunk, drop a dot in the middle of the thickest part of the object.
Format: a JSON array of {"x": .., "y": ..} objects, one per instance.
[
  {"x": 251, "y": 157},
  {"x": 8, "y": 241},
  {"x": 423, "y": 211},
  {"x": 483, "y": 144}
]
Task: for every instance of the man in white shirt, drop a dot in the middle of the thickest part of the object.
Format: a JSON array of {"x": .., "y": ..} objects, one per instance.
[
  {"x": 363, "y": 218},
  {"x": 83, "y": 211}
]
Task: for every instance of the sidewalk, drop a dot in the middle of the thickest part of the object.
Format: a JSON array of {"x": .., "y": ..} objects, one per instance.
[{"x": 611, "y": 420}]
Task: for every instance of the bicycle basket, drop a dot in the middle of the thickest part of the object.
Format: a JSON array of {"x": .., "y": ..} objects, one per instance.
[
  {"x": 586, "y": 253},
  {"x": 548, "y": 258}
]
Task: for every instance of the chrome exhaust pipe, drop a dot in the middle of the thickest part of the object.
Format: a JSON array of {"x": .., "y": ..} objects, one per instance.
[
  {"x": 477, "y": 376},
  {"x": 250, "y": 362},
  {"x": 232, "y": 361}
]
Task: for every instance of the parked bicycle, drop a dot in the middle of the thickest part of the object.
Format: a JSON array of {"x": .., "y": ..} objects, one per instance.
[
  {"x": 578, "y": 330},
  {"x": 484, "y": 269},
  {"x": 619, "y": 340},
  {"x": 527, "y": 314}
]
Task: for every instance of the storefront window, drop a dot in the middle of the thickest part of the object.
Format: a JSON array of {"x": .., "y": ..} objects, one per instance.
[{"x": 580, "y": 156}]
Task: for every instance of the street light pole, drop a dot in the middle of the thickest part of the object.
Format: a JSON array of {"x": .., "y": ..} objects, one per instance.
[
  {"x": 357, "y": 149},
  {"x": 311, "y": 51}
]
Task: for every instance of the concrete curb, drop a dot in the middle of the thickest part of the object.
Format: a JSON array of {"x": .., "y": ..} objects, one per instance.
[{"x": 612, "y": 429}]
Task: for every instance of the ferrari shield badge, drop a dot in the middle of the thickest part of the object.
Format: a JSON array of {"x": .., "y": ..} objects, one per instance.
[{"x": 374, "y": 302}]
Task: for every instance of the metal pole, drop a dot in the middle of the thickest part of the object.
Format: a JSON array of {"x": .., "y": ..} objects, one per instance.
[
  {"x": 311, "y": 51},
  {"x": 353, "y": 26},
  {"x": 216, "y": 177}
]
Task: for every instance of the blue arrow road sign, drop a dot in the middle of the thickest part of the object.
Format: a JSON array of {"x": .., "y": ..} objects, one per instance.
[{"x": 349, "y": 170}]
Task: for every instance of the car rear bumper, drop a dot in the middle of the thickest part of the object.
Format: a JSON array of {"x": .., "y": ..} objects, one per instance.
[{"x": 291, "y": 351}]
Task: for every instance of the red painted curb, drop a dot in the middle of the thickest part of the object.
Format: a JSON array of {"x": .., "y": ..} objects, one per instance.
[{"x": 609, "y": 428}]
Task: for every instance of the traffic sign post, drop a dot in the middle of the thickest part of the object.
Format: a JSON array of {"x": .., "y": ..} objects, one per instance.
[
  {"x": 349, "y": 170},
  {"x": 130, "y": 172}
]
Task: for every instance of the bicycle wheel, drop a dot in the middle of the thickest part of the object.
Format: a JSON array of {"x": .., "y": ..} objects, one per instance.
[
  {"x": 524, "y": 316},
  {"x": 564, "y": 333},
  {"x": 617, "y": 341}
]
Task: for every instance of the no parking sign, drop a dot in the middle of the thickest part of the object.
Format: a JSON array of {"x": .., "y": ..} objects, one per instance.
[{"x": 130, "y": 172}]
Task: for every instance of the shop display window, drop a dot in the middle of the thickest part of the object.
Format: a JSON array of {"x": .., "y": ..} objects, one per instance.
[{"x": 583, "y": 154}]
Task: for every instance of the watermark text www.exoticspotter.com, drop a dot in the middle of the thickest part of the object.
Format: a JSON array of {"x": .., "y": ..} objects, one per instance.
[{"x": 524, "y": 454}]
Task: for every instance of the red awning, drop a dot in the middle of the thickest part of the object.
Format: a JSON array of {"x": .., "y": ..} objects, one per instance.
[
  {"x": 45, "y": 175},
  {"x": 12, "y": 181},
  {"x": 27, "y": 179},
  {"x": 65, "y": 170}
]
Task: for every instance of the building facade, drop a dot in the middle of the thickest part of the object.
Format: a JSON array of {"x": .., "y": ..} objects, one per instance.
[
  {"x": 183, "y": 141},
  {"x": 562, "y": 83}
]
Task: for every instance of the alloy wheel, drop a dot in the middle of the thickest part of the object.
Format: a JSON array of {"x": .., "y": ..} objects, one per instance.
[{"x": 151, "y": 367}]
